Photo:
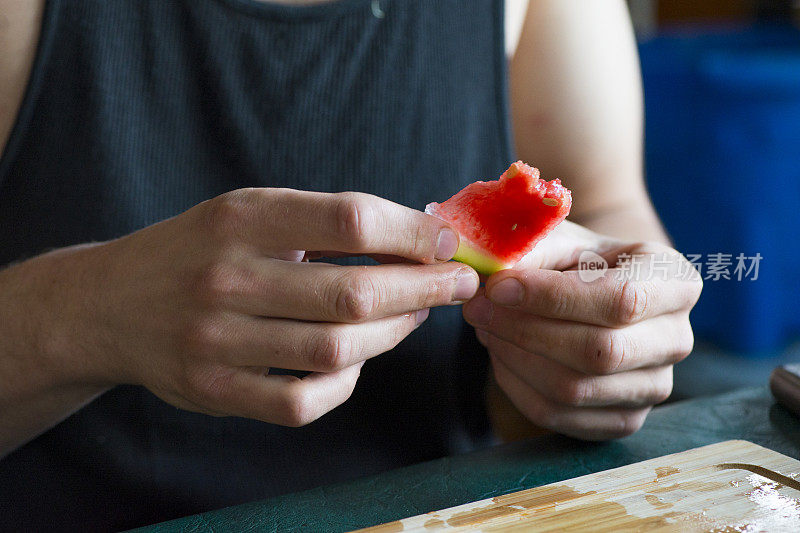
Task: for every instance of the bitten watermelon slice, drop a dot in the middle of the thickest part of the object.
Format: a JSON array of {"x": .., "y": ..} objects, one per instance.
[{"x": 500, "y": 221}]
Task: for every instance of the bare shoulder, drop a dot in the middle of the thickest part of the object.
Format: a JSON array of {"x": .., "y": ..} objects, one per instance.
[{"x": 20, "y": 21}]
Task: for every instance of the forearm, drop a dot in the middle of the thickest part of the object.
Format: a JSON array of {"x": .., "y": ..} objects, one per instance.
[
  {"x": 23, "y": 417},
  {"x": 577, "y": 110},
  {"x": 43, "y": 378},
  {"x": 634, "y": 221},
  {"x": 578, "y": 113}
]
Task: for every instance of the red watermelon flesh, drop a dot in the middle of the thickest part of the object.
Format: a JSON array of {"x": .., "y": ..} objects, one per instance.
[{"x": 500, "y": 221}]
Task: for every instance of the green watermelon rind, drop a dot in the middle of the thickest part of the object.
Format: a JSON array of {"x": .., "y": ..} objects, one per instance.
[
  {"x": 469, "y": 253},
  {"x": 482, "y": 263}
]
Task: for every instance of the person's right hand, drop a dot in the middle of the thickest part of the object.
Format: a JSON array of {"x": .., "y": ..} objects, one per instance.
[{"x": 199, "y": 307}]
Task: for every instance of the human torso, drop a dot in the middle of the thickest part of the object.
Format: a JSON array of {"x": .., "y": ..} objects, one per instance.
[
  {"x": 138, "y": 109},
  {"x": 20, "y": 35}
]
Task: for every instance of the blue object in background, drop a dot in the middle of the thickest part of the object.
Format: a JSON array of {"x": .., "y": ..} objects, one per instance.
[{"x": 723, "y": 169}]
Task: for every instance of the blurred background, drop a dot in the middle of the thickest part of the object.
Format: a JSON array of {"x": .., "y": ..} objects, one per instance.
[{"x": 722, "y": 148}]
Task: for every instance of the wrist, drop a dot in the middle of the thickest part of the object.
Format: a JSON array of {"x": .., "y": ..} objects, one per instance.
[
  {"x": 43, "y": 321},
  {"x": 634, "y": 222}
]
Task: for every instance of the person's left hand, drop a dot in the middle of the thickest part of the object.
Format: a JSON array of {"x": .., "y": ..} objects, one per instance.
[{"x": 587, "y": 359}]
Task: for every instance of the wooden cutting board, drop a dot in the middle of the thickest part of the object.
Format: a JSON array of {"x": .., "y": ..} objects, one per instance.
[{"x": 732, "y": 486}]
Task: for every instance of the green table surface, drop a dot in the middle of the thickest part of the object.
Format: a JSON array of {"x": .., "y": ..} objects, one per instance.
[{"x": 749, "y": 414}]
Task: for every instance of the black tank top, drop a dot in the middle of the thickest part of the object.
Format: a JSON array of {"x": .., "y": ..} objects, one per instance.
[{"x": 138, "y": 109}]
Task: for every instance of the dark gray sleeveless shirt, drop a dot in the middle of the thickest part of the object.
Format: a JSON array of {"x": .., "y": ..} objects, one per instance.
[{"x": 138, "y": 109}]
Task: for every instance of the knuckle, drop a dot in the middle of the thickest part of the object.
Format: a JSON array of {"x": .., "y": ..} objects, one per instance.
[
  {"x": 202, "y": 338},
  {"x": 208, "y": 385},
  {"x": 696, "y": 290},
  {"x": 227, "y": 214},
  {"x": 298, "y": 408},
  {"x": 557, "y": 298},
  {"x": 629, "y": 423},
  {"x": 354, "y": 214},
  {"x": 574, "y": 392},
  {"x": 629, "y": 304},
  {"x": 357, "y": 297},
  {"x": 692, "y": 282},
  {"x": 605, "y": 351},
  {"x": 394, "y": 336},
  {"x": 685, "y": 343},
  {"x": 662, "y": 391},
  {"x": 660, "y": 386},
  {"x": 542, "y": 414},
  {"x": 330, "y": 351},
  {"x": 217, "y": 282}
]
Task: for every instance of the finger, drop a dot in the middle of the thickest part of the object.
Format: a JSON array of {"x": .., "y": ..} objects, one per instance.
[
  {"x": 562, "y": 248},
  {"x": 590, "y": 349},
  {"x": 565, "y": 386},
  {"x": 332, "y": 293},
  {"x": 613, "y": 300},
  {"x": 280, "y": 399},
  {"x": 312, "y": 346},
  {"x": 286, "y": 219},
  {"x": 580, "y": 422}
]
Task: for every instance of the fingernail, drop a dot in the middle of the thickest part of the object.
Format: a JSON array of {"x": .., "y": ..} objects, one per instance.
[
  {"x": 466, "y": 286},
  {"x": 507, "y": 292},
  {"x": 447, "y": 245},
  {"x": 421, "y": 315},
  {"x": 479, "y": 311}
]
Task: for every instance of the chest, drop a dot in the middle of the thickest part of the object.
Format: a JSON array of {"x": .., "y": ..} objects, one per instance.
[{"x": 179, "y": 102}]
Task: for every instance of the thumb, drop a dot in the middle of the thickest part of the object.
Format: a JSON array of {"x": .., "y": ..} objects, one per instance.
[{"x": 561, "y": 249}]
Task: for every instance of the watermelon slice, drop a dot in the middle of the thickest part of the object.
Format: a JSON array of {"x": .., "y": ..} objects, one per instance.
[{"x": 500, "y": 221}]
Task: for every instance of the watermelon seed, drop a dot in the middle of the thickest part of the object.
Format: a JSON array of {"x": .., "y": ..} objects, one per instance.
[
  {"x": 513, "y": 227},
  {"x": 552, "y": 202}
]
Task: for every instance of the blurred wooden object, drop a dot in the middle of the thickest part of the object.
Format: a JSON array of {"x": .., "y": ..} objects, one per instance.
[
  {"x": 730, "y": 486},
  {"x": 682, "y": 11},
  {"x": 648, "y": 15}
]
